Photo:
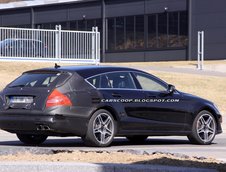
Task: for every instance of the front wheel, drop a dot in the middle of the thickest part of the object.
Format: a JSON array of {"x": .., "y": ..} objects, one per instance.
[
  {"x": 203, "y": 129},
  {"x": 101, "y": 129},
  {"x": 31, "y": 139}
]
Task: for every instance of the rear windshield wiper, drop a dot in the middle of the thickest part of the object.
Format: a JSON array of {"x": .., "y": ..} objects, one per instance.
[{"x": 14, "y": 86}]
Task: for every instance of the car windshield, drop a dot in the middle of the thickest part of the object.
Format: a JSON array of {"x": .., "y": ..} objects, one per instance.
[{"x": 35, "y": 80}]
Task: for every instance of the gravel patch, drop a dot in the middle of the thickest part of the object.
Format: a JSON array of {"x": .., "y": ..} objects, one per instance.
[{"x": 117, "y": 157}]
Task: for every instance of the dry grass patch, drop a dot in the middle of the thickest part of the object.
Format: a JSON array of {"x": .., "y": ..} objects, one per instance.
[{"x": 208, "y": 87}]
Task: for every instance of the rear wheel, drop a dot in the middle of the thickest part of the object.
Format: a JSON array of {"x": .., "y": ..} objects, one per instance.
[
  {"x": 137, "y": 139},
  {"x": 101, "y": 129},
  {"x": 203, "y": 129},
  {"x": 31, "y": 139}
]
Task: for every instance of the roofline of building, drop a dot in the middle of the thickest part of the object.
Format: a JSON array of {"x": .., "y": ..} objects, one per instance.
[{"x": 31, "y": 4}]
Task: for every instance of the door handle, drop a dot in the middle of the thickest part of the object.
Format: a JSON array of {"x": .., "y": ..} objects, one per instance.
[{"x": 116, "y": 95}]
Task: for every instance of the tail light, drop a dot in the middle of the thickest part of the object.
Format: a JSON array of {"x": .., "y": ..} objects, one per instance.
[{"x": 56, "y": 98}]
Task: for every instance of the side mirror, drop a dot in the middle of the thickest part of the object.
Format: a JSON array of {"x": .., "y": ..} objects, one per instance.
[{"x": 171, "y": 88}]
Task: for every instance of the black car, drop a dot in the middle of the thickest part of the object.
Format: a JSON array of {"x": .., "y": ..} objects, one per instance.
[
  {"x": 22, "y": 48},
  {"x": 100, "y": 102}
]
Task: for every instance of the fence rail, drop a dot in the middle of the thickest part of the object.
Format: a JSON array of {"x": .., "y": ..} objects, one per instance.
[{"x": 50, "y": 45}]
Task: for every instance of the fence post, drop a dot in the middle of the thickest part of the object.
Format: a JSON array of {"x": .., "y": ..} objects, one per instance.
[
  {"x": 200, "y": 56},
  {"x": 93, "y": 43},
  {"x": 1, "y": 40},
  {"x": 58, "y": 43},
  {"x": 97, "y": 47}
]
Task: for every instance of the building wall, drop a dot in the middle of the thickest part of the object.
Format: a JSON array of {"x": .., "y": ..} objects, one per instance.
[
  {"x": 65, "y": 14},
  {"x": 209, "y": 16},
  {"x": 119, "y": 8},
  {"x": 165, "y": 55}
]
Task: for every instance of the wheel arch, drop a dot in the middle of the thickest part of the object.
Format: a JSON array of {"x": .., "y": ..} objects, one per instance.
[
  {"x": 212, "y": 111},
  {"x": 109, "y": 109}
]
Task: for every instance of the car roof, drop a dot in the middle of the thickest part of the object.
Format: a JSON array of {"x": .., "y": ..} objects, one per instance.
[{"x": 86, "y": 71}]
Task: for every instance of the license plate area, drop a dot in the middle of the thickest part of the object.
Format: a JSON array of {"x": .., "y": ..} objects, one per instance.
[{"x": 21, "y": 99}]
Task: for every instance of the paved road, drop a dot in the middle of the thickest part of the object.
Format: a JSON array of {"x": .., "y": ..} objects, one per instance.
[{"x": 9, "y": 143}]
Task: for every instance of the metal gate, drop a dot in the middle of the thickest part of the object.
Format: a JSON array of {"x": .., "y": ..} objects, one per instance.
[{"x": 50, "y": 45}]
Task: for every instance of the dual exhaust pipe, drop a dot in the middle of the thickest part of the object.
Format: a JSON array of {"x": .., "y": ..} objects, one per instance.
[{"x": 43, "y": 128}]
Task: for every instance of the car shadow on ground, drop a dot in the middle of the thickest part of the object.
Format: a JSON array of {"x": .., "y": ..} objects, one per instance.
[{"x": 118, "y": 142}]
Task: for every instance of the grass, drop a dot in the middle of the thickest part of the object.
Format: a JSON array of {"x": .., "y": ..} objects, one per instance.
[{"x": 209, "y": 87}]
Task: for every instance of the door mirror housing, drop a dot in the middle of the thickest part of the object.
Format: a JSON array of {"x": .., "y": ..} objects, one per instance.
[{"x": 171, "y": 89}]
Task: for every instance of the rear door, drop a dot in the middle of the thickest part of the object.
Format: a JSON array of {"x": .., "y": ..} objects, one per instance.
[{"x": 119, "y": 91}]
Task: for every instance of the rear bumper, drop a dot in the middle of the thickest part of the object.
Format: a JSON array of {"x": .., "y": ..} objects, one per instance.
[{"x": 54, "y": 125}]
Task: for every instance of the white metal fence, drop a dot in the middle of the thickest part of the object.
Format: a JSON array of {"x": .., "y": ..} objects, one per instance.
[{"x": 50, "y": 45}]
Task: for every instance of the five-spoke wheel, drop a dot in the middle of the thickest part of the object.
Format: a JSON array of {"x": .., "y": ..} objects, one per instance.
[
  {"x": 203, "y": 129},
  {"x": 101, "y": 129}
]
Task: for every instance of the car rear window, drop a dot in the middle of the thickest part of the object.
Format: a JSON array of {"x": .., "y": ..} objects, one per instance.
[{"x": 35, "y": 80}]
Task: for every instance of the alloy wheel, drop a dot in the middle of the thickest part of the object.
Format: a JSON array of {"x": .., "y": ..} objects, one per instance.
[
  {"x": 206, "y": 127},
  {"x": 103, "y": 128}
]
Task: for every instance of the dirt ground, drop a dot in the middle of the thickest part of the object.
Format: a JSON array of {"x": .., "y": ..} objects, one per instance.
[{"x": 120, "y": 157}]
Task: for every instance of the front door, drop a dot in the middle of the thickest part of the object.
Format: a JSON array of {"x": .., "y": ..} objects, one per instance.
[{"x": 164, "y": 111}]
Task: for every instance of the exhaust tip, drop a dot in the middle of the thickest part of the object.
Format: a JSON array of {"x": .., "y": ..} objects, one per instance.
[{"x": 43, "y": 128}]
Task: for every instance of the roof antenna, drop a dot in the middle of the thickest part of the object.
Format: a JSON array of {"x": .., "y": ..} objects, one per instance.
[{"x": 56, "y": 66}]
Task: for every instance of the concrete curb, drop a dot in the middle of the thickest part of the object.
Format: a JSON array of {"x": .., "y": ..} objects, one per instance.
[{"x": 88, "y": 167}]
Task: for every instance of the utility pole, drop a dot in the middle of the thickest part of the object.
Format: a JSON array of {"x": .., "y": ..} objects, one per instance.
[{"x": 103, "y": 14}]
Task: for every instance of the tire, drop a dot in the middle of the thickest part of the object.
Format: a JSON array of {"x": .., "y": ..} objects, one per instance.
[
  {"x": 31, "y": 139},
  {"x": 137, "y": 139},
  {"x": 101, "y": 129},
  {"x": 203, "y": 129}
]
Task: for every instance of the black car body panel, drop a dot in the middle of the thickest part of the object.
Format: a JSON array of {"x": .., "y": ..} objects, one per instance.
[{"x": 144, "y": 118}]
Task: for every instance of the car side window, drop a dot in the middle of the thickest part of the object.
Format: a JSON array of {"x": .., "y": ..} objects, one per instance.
[
  {"x": 117, "y": 80},
  {"x": 149, "y": 83},
  {"x": 121, "y": 80},
  {"x": 95, "y": 81}
]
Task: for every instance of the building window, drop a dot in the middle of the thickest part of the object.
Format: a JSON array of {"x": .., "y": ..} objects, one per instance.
[
  {"x": 125, "y": 33},
  {"x": 162, "y": 30},
  {"x": 152, "y": 31},
  {"x": 139, "y": 32},
  {"x": 130, "y": 41},
  {"x": 64, "y": 25},
  {"x": 167, "y": 30},
  {"x": 183, "y": 35},
  {"x": 111, "y": 33},
  {"x": 173, "y": 39},
  {"x": 82, "y": 25},
  {"x": 120, "y": 34}
]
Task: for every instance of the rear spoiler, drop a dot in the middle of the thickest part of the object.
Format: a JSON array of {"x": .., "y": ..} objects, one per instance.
[{"x": 54, "y": 71}]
